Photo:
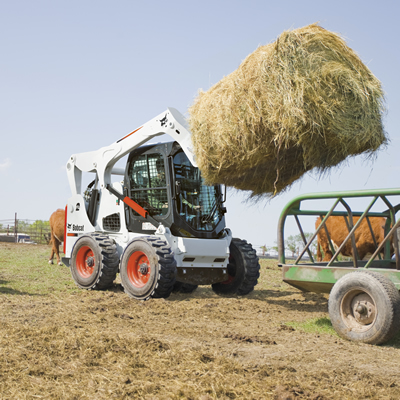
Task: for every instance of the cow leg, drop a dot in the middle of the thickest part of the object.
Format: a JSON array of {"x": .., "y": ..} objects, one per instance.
[
  {"x": 319, "y": 254},
  {"x": 58, "y": 242},
  {"x": 54, "y": 249},
  {"x": 52, "y": 239},
  {"x": 51, "y": 256},
  {"x": 362, "y": 251},
  {"x": 327, "y": 251},
  {"x": 57, "y": 250},
  {"x": 328, "y": 255},
  {"x": 322, "y": 244}
]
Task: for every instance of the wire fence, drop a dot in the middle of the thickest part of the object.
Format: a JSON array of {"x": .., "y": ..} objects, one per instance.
[{"x": 24, "y": 231}]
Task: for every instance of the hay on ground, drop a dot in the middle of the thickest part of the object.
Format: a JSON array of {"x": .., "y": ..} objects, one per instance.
[{"x": 305, "y": 101}]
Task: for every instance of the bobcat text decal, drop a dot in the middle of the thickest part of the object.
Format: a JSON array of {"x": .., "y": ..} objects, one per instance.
[{"x": 76, "y": 228}]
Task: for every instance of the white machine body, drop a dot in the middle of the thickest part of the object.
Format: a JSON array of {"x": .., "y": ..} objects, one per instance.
[{"x": 189, "y": 252}]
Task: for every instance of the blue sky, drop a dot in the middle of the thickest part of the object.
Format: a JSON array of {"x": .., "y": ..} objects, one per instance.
[{"x": 77, "y": 75}]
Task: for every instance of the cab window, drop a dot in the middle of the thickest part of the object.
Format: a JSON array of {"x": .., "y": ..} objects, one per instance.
[
  {"x": 198, "y": 204},
  {"x": 148, "y": 185}
]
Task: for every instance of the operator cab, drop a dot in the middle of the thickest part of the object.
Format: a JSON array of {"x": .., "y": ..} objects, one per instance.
[{"x": 162, "y": 180}]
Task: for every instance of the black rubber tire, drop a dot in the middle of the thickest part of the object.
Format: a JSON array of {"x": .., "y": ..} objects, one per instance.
[
  {"x": 243, "y": 269},
  {"x": 159, "y": 262},
  {"x": 370, "y": 291},
  {"x": 182, "y": 287},
  {"x": 99, "y": 250}
]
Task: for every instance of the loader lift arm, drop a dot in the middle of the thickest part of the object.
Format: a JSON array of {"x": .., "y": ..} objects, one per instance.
[{"x": 102, "y": 161}]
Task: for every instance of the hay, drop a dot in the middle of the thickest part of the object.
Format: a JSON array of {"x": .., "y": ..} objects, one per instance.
[
  {"x": 305, "y": 101},
  {"x": 65, "y": 343}
]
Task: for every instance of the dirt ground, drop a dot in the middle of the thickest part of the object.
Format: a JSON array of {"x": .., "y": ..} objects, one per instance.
[{"x": 104, "y": 345}]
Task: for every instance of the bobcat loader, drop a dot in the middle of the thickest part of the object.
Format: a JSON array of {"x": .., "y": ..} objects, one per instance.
[{"x": 160, "y": 227}]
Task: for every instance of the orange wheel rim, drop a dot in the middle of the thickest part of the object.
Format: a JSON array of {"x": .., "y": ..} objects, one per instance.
[
  {"x": 138, "y": 269},
  {"x": 85, "y": 261}
]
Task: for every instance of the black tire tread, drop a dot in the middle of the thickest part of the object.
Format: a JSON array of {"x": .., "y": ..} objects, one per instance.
[
  {"x": 252, "y": 267},
  {"x": 251, "y": 271},
  {"x": 109, "y": 262},
  {"x": 394, "y": 297}
]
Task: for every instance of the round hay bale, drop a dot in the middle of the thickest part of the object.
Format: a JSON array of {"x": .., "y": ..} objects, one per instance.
[{"x": 305, "y": 101}]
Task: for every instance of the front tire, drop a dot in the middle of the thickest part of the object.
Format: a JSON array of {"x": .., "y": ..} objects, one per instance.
[
  {"x": 243, "y": 270},
  {"x": 94, "y": 262},
  {"x": 364, "y": 307},
  {"x": 148, "y": 268}
]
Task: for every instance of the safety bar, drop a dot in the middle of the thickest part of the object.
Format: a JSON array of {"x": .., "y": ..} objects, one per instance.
[{"x": 293, "y": 208}]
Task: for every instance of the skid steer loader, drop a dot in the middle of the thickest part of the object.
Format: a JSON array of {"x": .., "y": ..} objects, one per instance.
[{"x": 159, "y": 226}]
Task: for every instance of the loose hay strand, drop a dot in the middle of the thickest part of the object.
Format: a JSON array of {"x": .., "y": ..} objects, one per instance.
[{"x": 305, "y": 101}]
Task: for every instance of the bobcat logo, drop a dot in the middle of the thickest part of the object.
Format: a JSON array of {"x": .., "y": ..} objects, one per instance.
[{"x": 76, "y": 228}]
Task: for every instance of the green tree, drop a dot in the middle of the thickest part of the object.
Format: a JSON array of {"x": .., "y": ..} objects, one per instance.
[
  {"x": 275, "y": 248},
  {"x": 295, "y": 243},
  {"x": 40, "y": 225},
  {"x": 291, "y": 244},
  {"x": 22, "y": 226},
  {"x": 38, "y": 229},
  {"x": 313, "y": 245}
]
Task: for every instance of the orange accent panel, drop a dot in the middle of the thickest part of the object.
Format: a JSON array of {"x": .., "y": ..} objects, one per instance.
[
  {"x": 129, "y": 134},
  {"x": 65, "y": 230},
  {"x": 135, "y": 206}
]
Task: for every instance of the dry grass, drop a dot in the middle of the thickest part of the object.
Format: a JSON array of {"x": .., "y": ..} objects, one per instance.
[
  {"x": 305, "y": 101},
  {"x": 76, "y": 344}
]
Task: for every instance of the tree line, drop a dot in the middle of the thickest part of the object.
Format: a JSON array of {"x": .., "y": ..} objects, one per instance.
[
  {"x": 38, "y": 230},
  {"x": 294, "y": 244}
]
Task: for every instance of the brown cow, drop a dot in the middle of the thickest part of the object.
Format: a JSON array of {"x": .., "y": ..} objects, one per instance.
[
  {"x": 57, "y": 222},
  {"x": 338, "y": 232}
]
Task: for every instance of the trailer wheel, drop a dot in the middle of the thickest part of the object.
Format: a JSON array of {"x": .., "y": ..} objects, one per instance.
[
  {"x": 182, "y": 287},
  {"x": 365, "y": 307},
  {"x": 243, "y": 270},
  {"x": 148, "y": 268},
  {"x": 94, "y": 262}
]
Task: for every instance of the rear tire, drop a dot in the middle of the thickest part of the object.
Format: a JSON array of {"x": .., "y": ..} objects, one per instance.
[
  {"x": 94, "y": 262},
  {"x": 181, "y": 287},
  {"x": 243, "y": 270},
  {"x": 148, "y": 268},
  {"x": 364, "y": 307}
]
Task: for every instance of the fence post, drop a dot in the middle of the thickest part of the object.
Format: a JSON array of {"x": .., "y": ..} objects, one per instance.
[{"x": 16, "y": 229}]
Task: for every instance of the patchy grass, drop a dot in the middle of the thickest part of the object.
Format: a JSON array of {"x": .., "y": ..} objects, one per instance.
[
  {"x": 321, "y": 325},
  {"x": 61, "y": 342},
  {"x": 24, "y": 269}
]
